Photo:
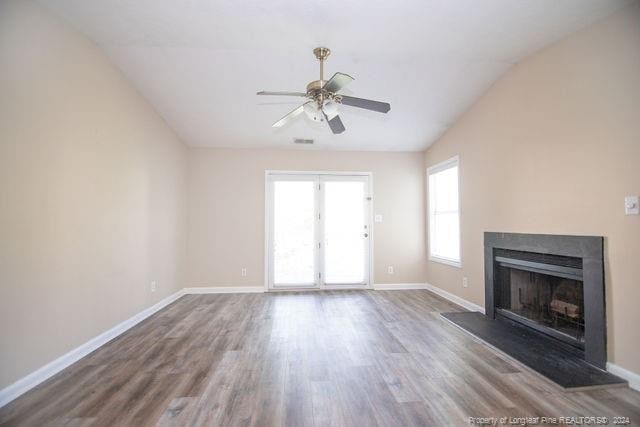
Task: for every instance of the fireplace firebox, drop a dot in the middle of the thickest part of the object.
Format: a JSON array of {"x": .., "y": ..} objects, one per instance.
[
  {"x": 553, "y": 284},
  {"x": 544, "y": 292}
]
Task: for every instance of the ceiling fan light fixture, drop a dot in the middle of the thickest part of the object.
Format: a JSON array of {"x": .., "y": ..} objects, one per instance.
[
  {"x": 312, "y": 111},
  {"x": 330, "y": 109}
]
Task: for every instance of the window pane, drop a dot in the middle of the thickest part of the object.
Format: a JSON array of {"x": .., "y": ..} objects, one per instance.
[
  {"x": 445, "y": 236},
  {"x": 344, "y": 256},
  {"x": 444, "y": 225},
  {"x": 294, "y": 232},
  {"x": 447, "y": 190}
]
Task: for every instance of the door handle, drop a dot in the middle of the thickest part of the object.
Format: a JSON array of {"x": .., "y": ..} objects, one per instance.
[{"x": 366, "y": 235}]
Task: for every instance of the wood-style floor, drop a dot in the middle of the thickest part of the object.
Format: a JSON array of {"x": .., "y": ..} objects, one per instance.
[{"x": 353, "y": 358}]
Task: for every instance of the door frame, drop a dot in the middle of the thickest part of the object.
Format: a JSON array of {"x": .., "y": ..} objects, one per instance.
[{"x": 267, "y": 229}]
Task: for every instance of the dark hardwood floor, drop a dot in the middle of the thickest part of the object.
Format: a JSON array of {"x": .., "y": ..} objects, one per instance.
[{"x": 319, "y": 358}]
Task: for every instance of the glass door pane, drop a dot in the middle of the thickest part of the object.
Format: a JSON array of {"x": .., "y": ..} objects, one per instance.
[
  {"x": 345, "y": 241},
  {"x": 294, "y": 233}
]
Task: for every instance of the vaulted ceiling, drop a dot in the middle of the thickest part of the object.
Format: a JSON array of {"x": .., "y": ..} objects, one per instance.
[{"x": 200, "y": 62}]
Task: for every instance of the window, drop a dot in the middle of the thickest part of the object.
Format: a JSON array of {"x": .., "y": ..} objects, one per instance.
[{"x": 444, "y": 216}]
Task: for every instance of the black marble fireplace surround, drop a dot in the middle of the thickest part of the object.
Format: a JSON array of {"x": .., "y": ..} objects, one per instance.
[{"x": 552, "y": 284}]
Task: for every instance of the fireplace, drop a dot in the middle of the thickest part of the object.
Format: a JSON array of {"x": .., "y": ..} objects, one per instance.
[{"x": 552, "y": 284}]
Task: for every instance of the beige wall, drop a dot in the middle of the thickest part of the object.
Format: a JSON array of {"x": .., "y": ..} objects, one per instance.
[
  {"x": 554, "y": 147},
  {"x": 92, "y": 194},
  {"x": 226, "y": 210}
]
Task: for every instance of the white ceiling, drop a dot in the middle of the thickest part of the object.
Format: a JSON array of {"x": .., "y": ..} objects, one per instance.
[{"x": 200, "y": 62}]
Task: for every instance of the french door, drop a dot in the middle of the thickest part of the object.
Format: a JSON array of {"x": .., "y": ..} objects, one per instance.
[{"x": 318, "y": 230}]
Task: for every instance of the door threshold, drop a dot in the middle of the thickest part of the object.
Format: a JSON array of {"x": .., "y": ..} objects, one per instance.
[{"x": 326, "y": 288}]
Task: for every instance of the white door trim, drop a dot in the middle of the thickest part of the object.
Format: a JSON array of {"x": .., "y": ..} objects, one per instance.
[{"x": 269, "y": 227}]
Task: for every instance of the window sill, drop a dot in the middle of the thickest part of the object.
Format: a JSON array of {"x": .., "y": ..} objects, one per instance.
[{"x": 446, "y": 261}]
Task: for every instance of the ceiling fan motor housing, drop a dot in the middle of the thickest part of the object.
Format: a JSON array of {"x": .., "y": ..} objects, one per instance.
[{"x": 315, "y": 86}]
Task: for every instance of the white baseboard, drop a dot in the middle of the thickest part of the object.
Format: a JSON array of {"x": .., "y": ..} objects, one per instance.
[
  {"x": 224, "y": 290},
  {"x": 398, "y": 286},
  {"x": 454, "y": 298},
  {"x": 631, "y": 377},
  {"x": 28, "y": 382}
]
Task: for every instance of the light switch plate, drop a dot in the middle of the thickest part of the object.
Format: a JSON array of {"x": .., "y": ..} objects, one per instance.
[
  {"x": 632, "y": 205},
  {"x": 377, "y": 218}
]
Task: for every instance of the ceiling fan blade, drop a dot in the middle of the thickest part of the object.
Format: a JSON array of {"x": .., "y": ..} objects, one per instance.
[
  {"x": 367, "y": 104},
  {"x": 337, "y": 82},
  {"x": 284, "y": 120},
  {"x": 266, "y": 92},
  {"x": 335, "y": 124}
]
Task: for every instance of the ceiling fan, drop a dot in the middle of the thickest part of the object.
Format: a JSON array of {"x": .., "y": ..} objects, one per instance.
[{"x": 324, "y": 100}]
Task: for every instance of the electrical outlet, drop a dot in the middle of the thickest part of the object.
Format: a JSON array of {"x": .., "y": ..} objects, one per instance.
[
  {"x": 465, "y": 282},
  {"x": 632, "y": 205},
  {"x": 390, "y": 269},
  {"x": 243, "y": 272},
  {"x": 154, "y": 286}
]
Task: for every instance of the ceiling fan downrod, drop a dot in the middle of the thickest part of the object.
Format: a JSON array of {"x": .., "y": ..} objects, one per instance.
[{"x": 321, "y": 54}]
